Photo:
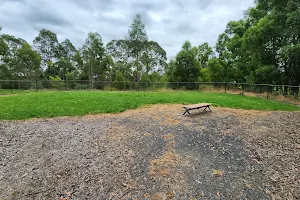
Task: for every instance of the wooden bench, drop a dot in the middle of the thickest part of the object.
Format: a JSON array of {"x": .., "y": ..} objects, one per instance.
[{"x": 196, "y": 106}]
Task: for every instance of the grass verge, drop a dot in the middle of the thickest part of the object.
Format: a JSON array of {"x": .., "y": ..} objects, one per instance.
[{"x": 76, "y": 103}]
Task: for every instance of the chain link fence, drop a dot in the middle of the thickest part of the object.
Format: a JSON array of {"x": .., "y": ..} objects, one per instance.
[{"x": 285, "y": 93}]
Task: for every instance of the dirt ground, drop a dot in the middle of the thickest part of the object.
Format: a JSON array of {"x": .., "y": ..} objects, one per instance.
[{"x": 153, "y": 153}]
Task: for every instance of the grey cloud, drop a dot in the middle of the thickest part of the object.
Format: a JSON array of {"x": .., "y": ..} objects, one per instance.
[
  {"x": 203, "y": 3},
  {"x": 19, "y": 1},
  {"x": 186, "y": 5},
  {"x": 114, "y": 21},
  {"x": 44, "y": 16},
  {"x": 148, "y": 5},
  {"x": 94, "y": 4},
  {"x": 145, "y": 17},
  {"x": 185, "y": 29}
]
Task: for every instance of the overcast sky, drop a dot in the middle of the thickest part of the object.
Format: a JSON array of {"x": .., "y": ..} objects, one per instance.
[{"x": 168, "y": 22}]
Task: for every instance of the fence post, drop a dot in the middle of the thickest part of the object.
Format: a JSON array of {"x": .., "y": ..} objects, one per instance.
[
  {"x": 268, "y": 88},
  {"x": 225, "y": 87},
  {"x": 10, "y": 86},
  {"x": 110, "y": 85},
  {"x": 36, "y": 85}
]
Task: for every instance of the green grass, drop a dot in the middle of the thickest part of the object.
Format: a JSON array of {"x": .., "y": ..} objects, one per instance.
[
  {"x": 8, "y": 92},
  {"x": 51, "y": 104}
]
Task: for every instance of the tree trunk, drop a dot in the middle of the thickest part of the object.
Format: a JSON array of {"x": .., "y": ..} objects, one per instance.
[
  {"x": 90, "y": 75},
  {"x": 137, "y": 67}
]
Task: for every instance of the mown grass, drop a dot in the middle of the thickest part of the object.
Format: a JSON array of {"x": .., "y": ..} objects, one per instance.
[{"x": 76, "y": 103}]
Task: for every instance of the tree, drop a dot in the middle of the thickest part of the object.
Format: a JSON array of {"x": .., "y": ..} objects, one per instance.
[
  {"x": 108, "y": 66},
  {"x": 4, "y": 71},
  {"x": 153, "y": 58},
  {"x": 120, "y": 80},
  {"x": 56, "y": 82},
  {"x": 3, "y": 47},
  {"x": 124, "y": 68},
  {"x": 145, "y": 79},
  {"x": 65, "y": 50},
  {"x": 231, "y": 54},
  {"x": 272, "y": 40},
  {"x": 78, "y": 60},
  {"x": 204, "y": 74},
  {"x": 28, "y": 62},
  {"x": 216, "y": 70},
  {"x": 46, "y": 44},
  {"x": 9, "y": 59},
  {"x": 137, "y": 42},
  {"x": 204, "y": 53},
  {"x": 136, "y": 50},
  {"x": 93, "y": 53},
  {"x": 13, "y": 43},
  {"x": 185, "y": 67},
  {"x": 63, "y": 66},
  {"x": 52, "y": 70}
]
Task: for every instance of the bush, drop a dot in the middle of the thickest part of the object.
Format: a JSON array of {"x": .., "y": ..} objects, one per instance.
[
  {"x": 70, "y": 80},
  {"x": 120, "y": 82},
  {"x": 108, "y": 88},
  {"x": 145, "y": 81},
  {"x": 81, "y": 86},
  {"x": 56, "y": 82}
]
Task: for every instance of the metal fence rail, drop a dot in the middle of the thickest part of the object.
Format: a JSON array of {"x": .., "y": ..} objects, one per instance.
[{"x": 267, "y": 91}]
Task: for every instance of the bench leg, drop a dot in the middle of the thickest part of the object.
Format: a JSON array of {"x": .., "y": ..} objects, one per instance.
[
  {"x": 208, "y": 108},
  {"x": 186, "y": 111}
]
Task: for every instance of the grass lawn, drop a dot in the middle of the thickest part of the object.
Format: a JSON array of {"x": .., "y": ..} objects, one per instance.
[{"x": 51, "y": 104}]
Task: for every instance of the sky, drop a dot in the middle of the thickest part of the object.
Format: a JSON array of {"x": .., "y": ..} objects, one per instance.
[{"x": 168, "y": 22}]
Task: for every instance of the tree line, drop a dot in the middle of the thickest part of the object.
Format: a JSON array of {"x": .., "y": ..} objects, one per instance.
[
  {"x": 263, "y": 47},
  {"x": 134, "y": 58}
]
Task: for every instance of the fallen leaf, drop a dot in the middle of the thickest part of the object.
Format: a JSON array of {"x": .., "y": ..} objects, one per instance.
[
  {"x": 218, "y": 194},
  {"x": 168, "y": 136},
  {"x": 218, "y": 173},
  {"x": 170, "y": 195},
  {"x": 257, "y": 157},
  {"x": 267, "y": 191}
]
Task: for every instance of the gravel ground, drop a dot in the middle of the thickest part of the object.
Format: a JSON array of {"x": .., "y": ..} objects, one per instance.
[{"x": 153, "y": 153}]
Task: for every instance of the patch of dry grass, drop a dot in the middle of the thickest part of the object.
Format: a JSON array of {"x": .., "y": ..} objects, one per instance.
[
  {"x": 217, "y": 173},
  {"x": 168, "y": 136},
  {"x": 118, "y": 133},
  {"x": 168, "y": 159},
  {"x": 147, "y": 134}
]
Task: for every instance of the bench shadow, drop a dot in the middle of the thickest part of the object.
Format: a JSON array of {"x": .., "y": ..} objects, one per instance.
[{"x": 196, "y": 114}]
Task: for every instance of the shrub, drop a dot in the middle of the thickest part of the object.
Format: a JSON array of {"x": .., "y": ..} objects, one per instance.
[{"x": 56, "y": 82}]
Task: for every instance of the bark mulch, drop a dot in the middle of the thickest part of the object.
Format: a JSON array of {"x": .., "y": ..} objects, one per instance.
[{"x": 153, "y": 153}]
